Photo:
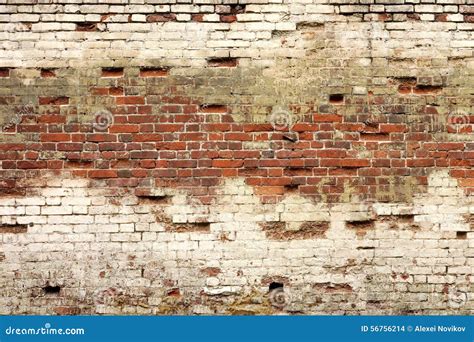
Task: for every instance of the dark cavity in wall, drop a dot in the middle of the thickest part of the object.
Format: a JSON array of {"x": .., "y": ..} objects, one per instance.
[
  {"x": 361, "y": 226},
  {"x": 154, "y": 72},
  {"x": 4, "y": 72},
  {"x": 195, "y": 227},
  {"x": 154, "y": 199},
  {"x": 51, "y": 290},
  {"x": 86, "y": 27},
  {"x": 48, "y": 73},
  {"x": 237, "y": 8},
  {"x": 223, "y": 62},
  {"x": 213, "y": 108},
  {"x": 306, "y": 230},
  {"x": 336, "y": 99},
  {"x": 112, "y": 72},
  {"x": 275, "y": 285},
  {"x": 13, "y": 228}
]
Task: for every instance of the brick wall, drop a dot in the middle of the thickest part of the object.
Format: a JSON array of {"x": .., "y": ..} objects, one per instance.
[{"x": 237, "y": 157}]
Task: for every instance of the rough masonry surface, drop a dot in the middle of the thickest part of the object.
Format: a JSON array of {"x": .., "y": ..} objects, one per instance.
[{"x": 237, "y": 157}]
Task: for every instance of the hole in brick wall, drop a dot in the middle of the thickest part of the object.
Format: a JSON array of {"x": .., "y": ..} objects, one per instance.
[
  {"x": 405, "y": 84},
  {"x": 360, "y": 224},
  {"x": 52, "y": 290},
  {"x": 2, "y": 256},
  {"x": 422, "y": 89},
  {"x": 223, "y": 62},
  {"x": 329, "y": 287},
  {"x": 195, "y": 227},
  {"x": 461, "y": 235},
  {"x": 361, "y": 227},
  {"x": 4, "y": 72},
  {"x": 112, "y": 72},
  {"x": 86, "y": 27},
  {"x": 336, "y": 98},
  {"x": 290, "y": 136},
  {"x": 13, "y": 228},
  {"x": 46, "y": 73},
  {"x": 174, "y": 292},
  {"x": 154, "y": 72},
  {"x": 306, "y": 230},
  {"x": 237, "y": 8},
  {"x": 213, "y": 108},
  {"x": 308, "y": 25},
  {"x": 275, "y": 285},
  {"x": 153, "y": 199},
  {"x": 291, "y": 187}
]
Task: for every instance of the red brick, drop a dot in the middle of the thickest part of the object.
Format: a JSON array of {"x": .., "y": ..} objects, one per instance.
[
  {"x": 124, "y": 129},
  {"x": 40, "y": 164},
  {"x": 55, "y": 101},
  {"x": 164, "y": 17},
  {"x": 127, "y": 100},
  {"x": 54, "y": 137},
  {"x": 227, "y": 163},
  {"x": 102, "y": 173},
  {"x": 327, "y": 118}
]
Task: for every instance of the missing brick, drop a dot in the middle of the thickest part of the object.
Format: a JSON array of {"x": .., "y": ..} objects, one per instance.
[
  {"x": 154, "y": 72},
  {"x": 112, "y": 72},
  {"x": 275, "y": 285},
  {"x": 403, "y": 221},
  {"x": 195, "y": 227},
  {"x": 86, "y": 27},
  {"x": 237, "y": 8},
  {"x": 51, "y": 290},
  {"x": 13, "y": 228},
  {"x": 223, "y": 62},
  {"x": 48, "y": 73},
  {"x": 290, "y": 136},
  {"x": 213, "y": 108},
  {"x": 461, "y": 235},
  {"x": 4, "y": 72},
  {"x": 361, "y": 226},
  {"x": 308, "y": 25},
  {"x": 332, "y": 288},
  {"x": 405, "y": 84},
  {"x": 336, "y": 99},
  {"x": 303, "y": 231},
  {"x": 175, "y": 292},
  {"x": 154, "y": 199},
  {"x": 426, "y": 89}
]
